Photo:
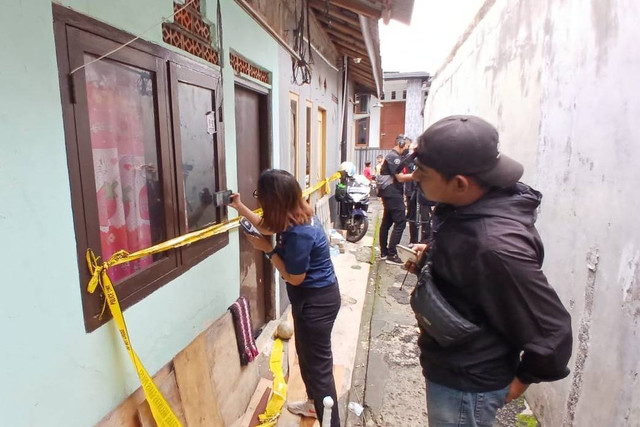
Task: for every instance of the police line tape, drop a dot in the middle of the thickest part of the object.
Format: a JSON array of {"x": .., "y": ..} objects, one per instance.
[{"x": 160, "y": 409}]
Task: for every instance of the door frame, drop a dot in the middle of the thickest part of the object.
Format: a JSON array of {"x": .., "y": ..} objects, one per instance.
[
  {"x": 321, "y": 119},
  {"x": 266, "y": 156},
  {"x": 296, "y": 134}
]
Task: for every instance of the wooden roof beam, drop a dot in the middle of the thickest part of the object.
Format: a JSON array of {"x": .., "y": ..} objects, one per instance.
[
  {"x": 359, "y": 8},
  {"x": 354, "y": 53},
  {"x": 346, "y": 39},
  {"x": 361, "y": 75},
  {"x": 341, "y": 27},
  {"x": 362, "y": 72},
  {"x": 334, "y": 13}
]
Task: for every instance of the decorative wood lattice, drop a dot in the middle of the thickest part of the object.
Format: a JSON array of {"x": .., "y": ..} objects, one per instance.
[
  {"x": 190, "y": 32},
  {"x": 242, "y": 66}
]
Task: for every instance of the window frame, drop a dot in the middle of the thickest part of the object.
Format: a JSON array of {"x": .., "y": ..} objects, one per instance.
[
  {"x": 366, "y": 133},
  {"x": 295, "y": 98},
  {"x": 178, "y": 73},
  {"x": 308, "y": 136},
  {"x": 321, "y": 118},
  {"x": 73, "y": 32}
]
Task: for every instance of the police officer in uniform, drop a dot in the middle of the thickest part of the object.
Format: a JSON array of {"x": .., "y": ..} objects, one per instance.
[{"x": 392, "y": 193}]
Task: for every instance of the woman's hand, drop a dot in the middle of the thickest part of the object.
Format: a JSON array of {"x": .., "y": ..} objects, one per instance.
[
  {"x": 420, "y": 248},
  {"x": 259, "y": 242},
  {"x": 236, "y": 202}
]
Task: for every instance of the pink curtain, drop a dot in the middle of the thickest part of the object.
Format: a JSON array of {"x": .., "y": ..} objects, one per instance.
[{"x": 118, "y": 112}]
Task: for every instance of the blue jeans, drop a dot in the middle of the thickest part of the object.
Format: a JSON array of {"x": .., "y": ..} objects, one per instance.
[{"x": 447, "y": 407}]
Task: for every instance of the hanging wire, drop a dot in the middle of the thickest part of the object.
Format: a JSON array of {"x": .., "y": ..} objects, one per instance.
[
  {"x": 188, "y": 3},
  {"x": 301, "y": 68}
]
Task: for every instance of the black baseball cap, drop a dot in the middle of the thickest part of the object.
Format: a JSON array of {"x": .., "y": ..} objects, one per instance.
[{"x": 467, "y": 145}]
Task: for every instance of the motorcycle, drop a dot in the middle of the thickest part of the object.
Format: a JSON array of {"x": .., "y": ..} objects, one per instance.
[{"x": 354, "y": 203}]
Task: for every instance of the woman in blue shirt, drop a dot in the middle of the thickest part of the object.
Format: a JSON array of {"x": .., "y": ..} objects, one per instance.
[{"x": 302, "y": 258}]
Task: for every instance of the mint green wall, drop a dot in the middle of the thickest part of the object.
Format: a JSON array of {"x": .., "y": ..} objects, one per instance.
[
  {"x": 246, "y": 38},
  {"x": 54, "y": 373}
]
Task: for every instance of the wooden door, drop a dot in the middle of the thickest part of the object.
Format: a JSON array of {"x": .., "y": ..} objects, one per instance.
[
  {"x": 391, "y": 123},
  {"x": 252, "y": 149}
]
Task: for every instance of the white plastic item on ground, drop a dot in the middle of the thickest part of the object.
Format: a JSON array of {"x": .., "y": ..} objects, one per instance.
[
  {"x": 327, "y": 402},
  {"x": 356, "y": 408},
  {"x": 335, "y": 237}
]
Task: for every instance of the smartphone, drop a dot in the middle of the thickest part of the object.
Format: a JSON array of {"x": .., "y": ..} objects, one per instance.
[
  {"x": 249, "y": 228},
  {"x": 407, "y": 254}
]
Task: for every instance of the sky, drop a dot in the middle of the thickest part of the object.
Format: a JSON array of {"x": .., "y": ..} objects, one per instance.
[{"x": 436, "y": 26}]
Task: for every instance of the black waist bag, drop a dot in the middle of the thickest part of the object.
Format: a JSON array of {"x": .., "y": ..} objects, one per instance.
[{"x": 436, "y": 316}]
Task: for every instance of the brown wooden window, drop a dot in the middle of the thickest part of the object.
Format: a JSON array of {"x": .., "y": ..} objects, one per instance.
[{"x": 145, "y": 154}]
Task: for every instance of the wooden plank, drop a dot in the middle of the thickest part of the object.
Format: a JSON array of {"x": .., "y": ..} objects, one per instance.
[
  {"x": 169, "y": 389},
  {"x": 255, "y": 404},
  {"x": 193, "y": 376},
  {"x": 260, "y": 408},
  {"x": 359, "y": 8},
  {"x": 342, "y": 15},
  {"x": 233, "y": 384},
  {"x": 344, "y": 28},
  {"x": 126, "y": 414}
]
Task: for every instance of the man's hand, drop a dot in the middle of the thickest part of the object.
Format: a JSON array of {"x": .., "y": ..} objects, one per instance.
[
  {"x": 516, "y": 388},
  {"x": 419, "y": 248}
]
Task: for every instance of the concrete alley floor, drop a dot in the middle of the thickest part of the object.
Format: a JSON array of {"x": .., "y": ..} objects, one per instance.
[{"x": 387, "y": 377}]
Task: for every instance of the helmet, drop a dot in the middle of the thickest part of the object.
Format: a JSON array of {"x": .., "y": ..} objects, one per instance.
[
  {"x": 401, "y": 140},
  {"x": 348, "y": 168}
]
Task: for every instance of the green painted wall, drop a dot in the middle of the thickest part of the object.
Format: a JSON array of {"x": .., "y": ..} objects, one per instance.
[{"x": 53, "y": 372}]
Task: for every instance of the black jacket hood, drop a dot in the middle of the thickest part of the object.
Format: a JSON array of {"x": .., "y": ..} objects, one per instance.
[{"x": 518, "y": 203}]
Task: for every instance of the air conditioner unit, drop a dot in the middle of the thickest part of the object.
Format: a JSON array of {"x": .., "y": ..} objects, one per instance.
[{"x": 363, "y": 104}]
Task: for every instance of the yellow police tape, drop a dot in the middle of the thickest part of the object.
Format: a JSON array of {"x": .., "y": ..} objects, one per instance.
[
  {"x": 160, "y": 409},
  {"x": 279, "y": 393}
]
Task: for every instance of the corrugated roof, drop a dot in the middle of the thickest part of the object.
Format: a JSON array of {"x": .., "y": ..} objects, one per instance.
[{"x": 393, "y": 75}]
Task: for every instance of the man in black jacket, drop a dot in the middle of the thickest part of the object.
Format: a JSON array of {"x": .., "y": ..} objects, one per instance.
[
  {"x": 391, "y": 189},
  {"x": 486, "y": 259}
]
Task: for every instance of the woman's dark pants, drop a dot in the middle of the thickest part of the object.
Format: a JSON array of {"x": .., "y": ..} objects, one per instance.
[{"x": 314, "y": 312}]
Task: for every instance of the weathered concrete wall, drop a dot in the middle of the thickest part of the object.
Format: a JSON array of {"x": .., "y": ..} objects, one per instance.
[
  {"x": 414, "y": 105},
  {"x": 560, "y": 81}
]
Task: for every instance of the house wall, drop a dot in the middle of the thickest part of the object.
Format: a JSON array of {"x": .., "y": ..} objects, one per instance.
[
  {"x": 559, "y": 80},
  {"x": 319, "y": 97},
  {"x": 396, "y": 86},
  {"x": 53, "y": 372},
  {"x": 374, "y": 124}
]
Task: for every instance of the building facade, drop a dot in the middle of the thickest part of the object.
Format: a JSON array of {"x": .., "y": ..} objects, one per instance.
[
  {"x": 398, "y": 110},
  {"x": 139, "y": 114}
]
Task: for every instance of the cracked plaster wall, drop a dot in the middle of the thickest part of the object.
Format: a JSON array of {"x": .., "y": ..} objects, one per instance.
[{"x": 559, "y": 80}]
